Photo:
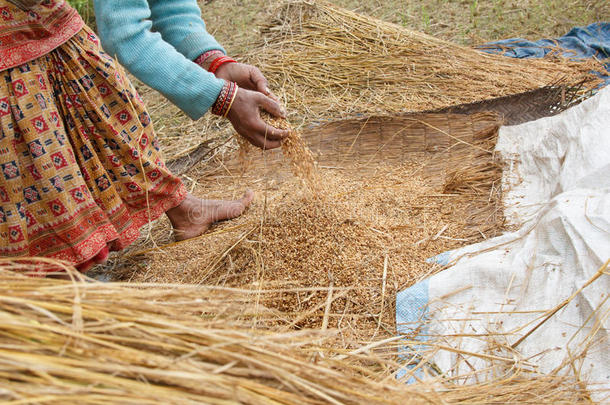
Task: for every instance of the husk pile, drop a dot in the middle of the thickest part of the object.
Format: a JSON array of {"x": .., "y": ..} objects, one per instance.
[
  {"x": 64, "y": 342},
  {"x": 331, "y": 62}
]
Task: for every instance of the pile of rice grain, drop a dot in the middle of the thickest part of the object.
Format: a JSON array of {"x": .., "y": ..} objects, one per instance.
[
  {"x": 335, "y": 244},
  {"x": 367, "y": 233}
]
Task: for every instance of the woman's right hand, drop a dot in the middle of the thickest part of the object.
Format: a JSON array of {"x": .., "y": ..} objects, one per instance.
[{"x": 246, "y": 119}]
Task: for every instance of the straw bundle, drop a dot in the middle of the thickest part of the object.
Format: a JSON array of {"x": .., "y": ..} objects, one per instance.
[
  {"x": 92, "y": 343},
  {"x": 331, "y": 62}
]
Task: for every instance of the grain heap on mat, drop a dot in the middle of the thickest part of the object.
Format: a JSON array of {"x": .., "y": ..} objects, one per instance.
[
  {"x": 366, "y": 233},
  {"x": 337, "y": 257},
  {"x": 331, "y": 62}
]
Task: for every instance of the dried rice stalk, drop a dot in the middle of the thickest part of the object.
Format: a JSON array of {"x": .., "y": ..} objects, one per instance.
[
  {"x": 91, "y": 343},
  {"x": 331, "y": 62}
]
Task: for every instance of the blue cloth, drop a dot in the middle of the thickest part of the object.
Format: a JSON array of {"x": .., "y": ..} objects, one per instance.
[
  {"x": 411, "y": 316},
  {"x": 157, "y": 41},
  {"x": 581, "y": 42}
]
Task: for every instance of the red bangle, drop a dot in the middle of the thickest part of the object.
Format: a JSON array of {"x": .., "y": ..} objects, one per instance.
[
  {"x": 205, "y": 59},
  {"x": 212, "y": 60},
  {"x": 225, "y": 99},
  {"x": 218, "y": 62},
  {"x": 231, "y": 100}
]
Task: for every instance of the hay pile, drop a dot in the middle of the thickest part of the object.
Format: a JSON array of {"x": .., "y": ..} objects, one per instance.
[
  {"x": 94, "y": 343},
  {"x": 331, "y": 62}
]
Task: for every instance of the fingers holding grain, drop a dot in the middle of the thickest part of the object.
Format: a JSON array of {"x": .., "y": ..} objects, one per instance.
[{"x": 245, "y": 115}]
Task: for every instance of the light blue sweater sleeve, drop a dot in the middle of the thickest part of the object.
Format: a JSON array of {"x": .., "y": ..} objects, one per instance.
[
  {"x": 125, "y": 31},
  {"x": 180, "y": 24}
]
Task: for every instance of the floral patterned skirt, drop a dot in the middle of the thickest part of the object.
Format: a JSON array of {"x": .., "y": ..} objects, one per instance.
[{"x": 80, "y": 167}]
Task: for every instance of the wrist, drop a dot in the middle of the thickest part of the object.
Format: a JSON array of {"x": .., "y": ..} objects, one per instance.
[
  {"x": 205, "y": 59},
  {"x": 225, "y": 99},
  {"x": 212, "y": 60},
  {"x": 218, "y": 62}
]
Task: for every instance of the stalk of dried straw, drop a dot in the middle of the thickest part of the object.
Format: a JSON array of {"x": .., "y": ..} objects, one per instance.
[
  {"x": 331, "y": 62},
  {"x": 186, "y": 344}
]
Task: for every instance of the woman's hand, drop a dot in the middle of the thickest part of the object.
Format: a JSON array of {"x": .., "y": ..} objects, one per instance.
[
  {"x": 246, "y": 118},
  {"x": 246, "y": 77},
  {"x": 253, "y": 94}
]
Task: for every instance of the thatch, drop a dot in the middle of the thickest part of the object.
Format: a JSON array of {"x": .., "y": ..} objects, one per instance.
[
  {"x": 331, "y": 62},
  {"x": 64, "y": 342}
]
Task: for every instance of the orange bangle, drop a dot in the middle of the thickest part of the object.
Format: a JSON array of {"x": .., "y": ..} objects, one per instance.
[{"x": 205, "y": 59}]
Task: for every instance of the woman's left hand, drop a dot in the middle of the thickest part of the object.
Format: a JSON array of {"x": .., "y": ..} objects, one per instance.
[{"x": 246, "y": 76}]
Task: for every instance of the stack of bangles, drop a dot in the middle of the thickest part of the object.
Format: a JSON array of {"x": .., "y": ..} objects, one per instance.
[
  {"x": 211, "y": 61},
  {"x": 225, "y": 100}
]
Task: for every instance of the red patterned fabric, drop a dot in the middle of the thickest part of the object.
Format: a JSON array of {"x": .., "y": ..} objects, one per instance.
[
  {"x": 29, "y": 33},
  {"x": 80, "y": 167}
]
